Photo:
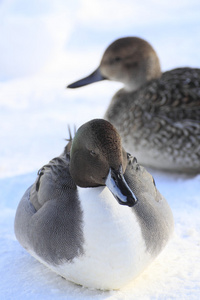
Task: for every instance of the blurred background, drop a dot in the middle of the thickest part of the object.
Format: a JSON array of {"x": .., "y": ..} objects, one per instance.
[{"x": 45, "y": 45}]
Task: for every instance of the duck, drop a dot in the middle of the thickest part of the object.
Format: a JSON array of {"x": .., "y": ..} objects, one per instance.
[
  {"x": 157, "y": 114},
  {"x": 94, "y": 215}
]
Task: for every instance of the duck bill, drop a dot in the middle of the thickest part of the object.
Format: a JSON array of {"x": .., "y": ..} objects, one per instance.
[
  {"x": 94, "y": 77},
  {"x": 119, "y": 188}
]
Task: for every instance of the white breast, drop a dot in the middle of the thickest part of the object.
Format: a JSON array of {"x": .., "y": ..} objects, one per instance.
[{"x": 114, "y": 249}]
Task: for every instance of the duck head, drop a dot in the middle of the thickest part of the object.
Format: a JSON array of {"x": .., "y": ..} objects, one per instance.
[
  {"x": 97, "y": 158},
  {"x": 129, "y": 60}
]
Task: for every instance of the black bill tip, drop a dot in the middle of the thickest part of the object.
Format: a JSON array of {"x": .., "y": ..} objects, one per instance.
[{"x": 119, "y": 188}]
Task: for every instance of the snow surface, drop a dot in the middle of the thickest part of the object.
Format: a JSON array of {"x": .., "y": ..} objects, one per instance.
[{"x": 44, "y": 46}]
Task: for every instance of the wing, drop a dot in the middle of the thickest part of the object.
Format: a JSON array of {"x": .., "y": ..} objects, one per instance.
[
  {"x": 48, "y": 220},
  {"x": 53, "y": 179},
  {"x": 152, "y": 210},
  {"x": 176, "y": 95}
]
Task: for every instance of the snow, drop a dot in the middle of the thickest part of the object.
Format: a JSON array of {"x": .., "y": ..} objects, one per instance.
[{"x": 44, "y": 46}]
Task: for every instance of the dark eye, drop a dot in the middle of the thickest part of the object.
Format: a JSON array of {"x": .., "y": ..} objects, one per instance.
[
  {"x": 117, "y": 58},
  {"x": 92, "y": 153}
]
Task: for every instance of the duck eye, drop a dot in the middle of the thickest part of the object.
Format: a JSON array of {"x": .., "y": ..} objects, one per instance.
[
  {"x": 117, "y": 58},
  {"x": 135, "y": 64},
  {"x": 92, "y": 153}
]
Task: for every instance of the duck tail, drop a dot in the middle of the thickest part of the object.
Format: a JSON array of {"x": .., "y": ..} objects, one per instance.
[{"x": 70, "y": 138}]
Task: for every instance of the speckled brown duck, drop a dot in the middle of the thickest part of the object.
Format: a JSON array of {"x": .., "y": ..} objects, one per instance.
[{"x": 157, "y": 114}]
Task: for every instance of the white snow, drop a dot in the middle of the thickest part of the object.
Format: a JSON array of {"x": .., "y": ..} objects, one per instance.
[{"x": 44, "y": 46}]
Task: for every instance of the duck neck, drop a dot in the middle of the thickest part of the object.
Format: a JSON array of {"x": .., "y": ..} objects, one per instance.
[
  {"x": 149, "y": 70},
  {"x": 131, "y": 87}
]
